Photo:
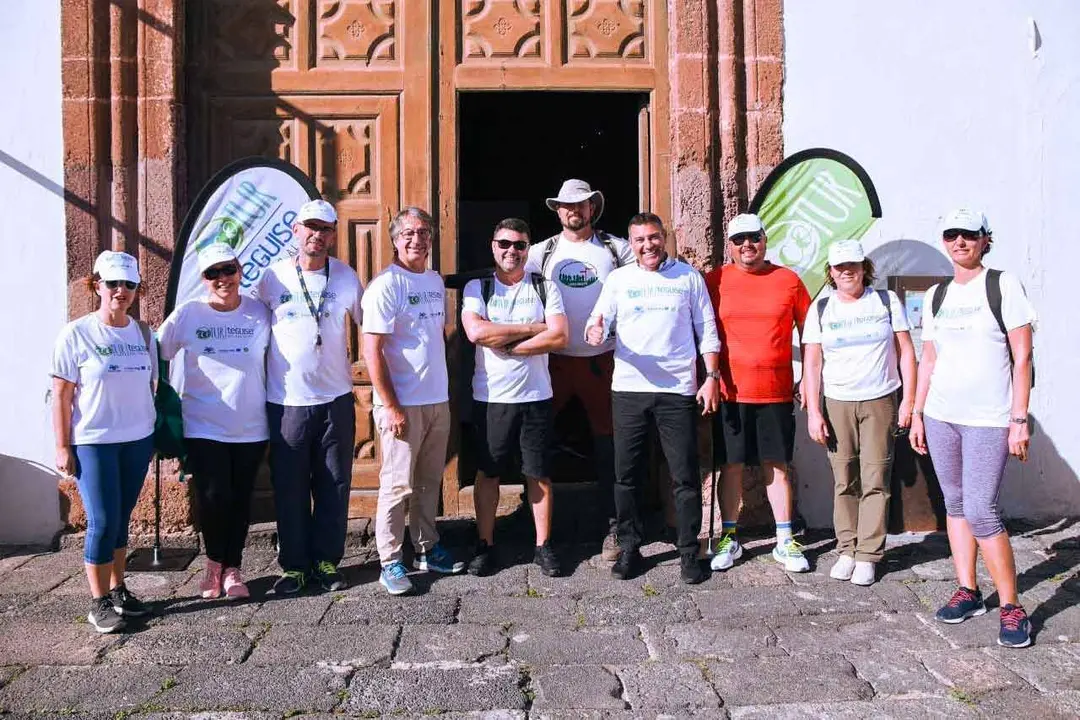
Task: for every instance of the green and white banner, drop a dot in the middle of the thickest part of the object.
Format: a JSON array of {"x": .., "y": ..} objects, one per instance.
[{"x": 812, "y": 199}]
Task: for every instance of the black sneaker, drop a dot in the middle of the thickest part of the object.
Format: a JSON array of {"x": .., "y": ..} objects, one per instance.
[
  {"x": 691, "y": 572},
  {"x": 103, "y": 616},
  {"x": 545, "y": 558},
  {"x": 483, "y": 560},
  {"x": 327, "y": 575},
  {"x": 126, "y": 603},
  {"x": 964, "y": 604},
  {"x": 290, "y": 583},
  {"x": 1015, "y": 627},
  {"x": 628, "y": 565}
]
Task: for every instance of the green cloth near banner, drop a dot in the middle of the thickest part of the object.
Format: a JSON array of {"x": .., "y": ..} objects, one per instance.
[
  {"x": 169, "y": 425},
  {"x": 811, "y": 200}
]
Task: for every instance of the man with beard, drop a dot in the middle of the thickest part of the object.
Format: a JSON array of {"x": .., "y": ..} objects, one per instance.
[
  {"x": 659, "y": 312},
  {"x": 757, "y": 304},
  {"x": 309, "y": 401},
  {"x": 514, "y": 319},
  {"x": 578, "y": 260}
]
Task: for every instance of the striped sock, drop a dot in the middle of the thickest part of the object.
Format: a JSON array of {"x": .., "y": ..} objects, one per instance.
[
  {"x": 783, "y": 533},
  {"x": 728, "y": 527}
]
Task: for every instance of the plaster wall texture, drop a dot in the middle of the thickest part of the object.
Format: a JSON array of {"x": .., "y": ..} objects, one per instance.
[
  {"x": 969, "y": 103},
  {"x": 35, "y": 287}
]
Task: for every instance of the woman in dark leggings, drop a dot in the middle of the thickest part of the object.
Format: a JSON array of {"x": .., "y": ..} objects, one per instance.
[
  {"x": 971, "y": 412},
  {"x": 224, "y": 339}
]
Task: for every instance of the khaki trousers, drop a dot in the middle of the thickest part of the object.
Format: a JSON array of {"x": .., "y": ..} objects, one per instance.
[
  {"x": 412, "y": 469},
  {"x": 861, "y": 454}
]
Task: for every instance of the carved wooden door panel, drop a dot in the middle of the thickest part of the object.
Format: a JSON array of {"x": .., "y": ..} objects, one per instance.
[{"x": 338, "y": 88}]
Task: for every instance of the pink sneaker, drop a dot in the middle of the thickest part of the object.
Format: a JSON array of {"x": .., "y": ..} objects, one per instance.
[
  {"x": 211, "y": 582},
  {"x": 234, "y": 584}
]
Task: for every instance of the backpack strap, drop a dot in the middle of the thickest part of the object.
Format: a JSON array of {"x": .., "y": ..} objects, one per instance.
[
  {"x": 487, "y": 288},
  {"x": 883, "y": 295},
  {"x": 821, "y": 303},
  {"x": 607, "y": 241},
  {"x": 993, "y": 299},
  {"x": 939, "y": 297},
  {"x": 148, "y": 339},
  {"x": 549, "y": 250},
  {"x": 540, "y": 287}
]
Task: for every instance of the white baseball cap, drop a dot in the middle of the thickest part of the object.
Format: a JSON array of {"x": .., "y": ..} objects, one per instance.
[
  {"x": 846, "y": 251},
  {"x": 745, "y": 223},
  {"x": 112, "y": 265},
  {"x": 214, "y": 253},
  {"x": 317, "y": 210},
  {"x": 965, "y": 219}
]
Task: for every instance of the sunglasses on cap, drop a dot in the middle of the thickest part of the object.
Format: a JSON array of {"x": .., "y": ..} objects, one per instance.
[
  {"x": 738, "y": 240},
  {"x": 953, "y": 233},
  {"x": 113, "y": 284},
  {"x": 518, "y": 245},
  {"x": 224, "y": 271}
]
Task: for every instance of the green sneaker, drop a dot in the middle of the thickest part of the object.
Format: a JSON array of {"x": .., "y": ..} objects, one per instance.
[
  {"x": 790, "y": 555},
  {"x": 727, "y": 552},
  {"x": 327, "y": 575}
]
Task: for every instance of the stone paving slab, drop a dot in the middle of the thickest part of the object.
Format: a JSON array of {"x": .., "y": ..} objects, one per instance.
[
  {"x": 898, "y": 674},
  {"x": 1046, "y": 667},
  {"x": 740, "y": 603},
  {"x": 58, "y": 689},
  {"x": 40, "y": 574},
  {"x": 667, "y": 686},
  {"x": 659, "y": 609},
  {"x": 882, "y": 632},
  {"x": 721, "y": 641},
  {"x": 586, "y": 580},
  {"x": 1048, "y": 706},
  {"x": 301, "y": 610},
  {"x": 520, "y": 611},
  {"x": 53, "y": 643},
  {"x": 336, "y": 646},
  {"x": 200, "y": 611},
  {"x": 508, "y": 581},
  {"x": 8, "y": 673},
  {"x": 757, "y": 681},
  {"x": 198, "y": 644},
  {"x": 279, "y": 688},
  {"x": 577, "y": 688},
  {"x": 433, "y": 691},
  {"x": 972, "y": 671},
  {"x": 915, "y": 709},
  {"x": 213, "y": 715},
  {"x": 449, "y": 644},
  {"x": 388, "y": 610},
  {"x": 620, "y": 645}
]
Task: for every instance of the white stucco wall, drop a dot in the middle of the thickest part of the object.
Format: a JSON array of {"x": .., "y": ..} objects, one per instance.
[
  {"x": 32, "y": 238},
  {"x": 951, "y": 104}
]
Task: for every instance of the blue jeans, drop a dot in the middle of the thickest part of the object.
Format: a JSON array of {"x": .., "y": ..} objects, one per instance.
[{"x": 110, "y": 477}]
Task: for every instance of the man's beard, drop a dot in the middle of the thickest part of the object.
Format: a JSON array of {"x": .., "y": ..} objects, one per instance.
[{"x": 575, "y": 223}]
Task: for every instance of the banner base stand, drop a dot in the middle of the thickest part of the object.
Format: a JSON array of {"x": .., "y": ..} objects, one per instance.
[{"x": 160, "y": 559}]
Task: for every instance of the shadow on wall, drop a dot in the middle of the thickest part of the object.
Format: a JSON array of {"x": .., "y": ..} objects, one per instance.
[
  {"x": 1046, "y": 487},
  {"x": 908, "y": 257},
  {"x": 30, "y": 511}
]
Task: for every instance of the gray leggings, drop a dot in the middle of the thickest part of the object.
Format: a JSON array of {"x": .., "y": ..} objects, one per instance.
[{"x": 970, "y": 464}]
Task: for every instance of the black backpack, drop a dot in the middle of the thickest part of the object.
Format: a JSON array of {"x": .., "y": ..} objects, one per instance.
[
  {"x": 883, "y": 295},
  {"x": 605, "y": 239},
  {"x": 487, "y": 287},
  {"x": 993, "y": 298}
]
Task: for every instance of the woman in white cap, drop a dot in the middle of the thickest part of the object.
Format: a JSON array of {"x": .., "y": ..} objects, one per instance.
[
  {"x": 851, "y": 338},
  {"x": 971, "y": 413},
  {"x": 224, "y": 338},
  {"x": 104, "y": 369}
]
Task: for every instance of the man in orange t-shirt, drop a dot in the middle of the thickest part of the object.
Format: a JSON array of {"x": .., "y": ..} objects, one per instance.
[{"x": 757, "y": 304}]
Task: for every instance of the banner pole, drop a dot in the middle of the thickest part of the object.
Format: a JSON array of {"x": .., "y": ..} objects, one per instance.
[{"x": 156, "y": 562}]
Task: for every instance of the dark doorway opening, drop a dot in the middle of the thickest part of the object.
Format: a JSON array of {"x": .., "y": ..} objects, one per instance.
[{"x": 514, "y": 150}]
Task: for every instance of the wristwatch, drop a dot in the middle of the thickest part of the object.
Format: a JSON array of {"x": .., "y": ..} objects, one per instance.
[
  {"x": 714, "y": 374},
  {"x": 1018, "y": 420}
]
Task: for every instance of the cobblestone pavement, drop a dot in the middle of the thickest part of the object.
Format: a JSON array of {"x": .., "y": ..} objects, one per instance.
[{"x": 753, "y": 642}]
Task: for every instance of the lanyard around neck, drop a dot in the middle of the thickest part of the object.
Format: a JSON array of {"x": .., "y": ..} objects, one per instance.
[{"x": 316, "y": 312}]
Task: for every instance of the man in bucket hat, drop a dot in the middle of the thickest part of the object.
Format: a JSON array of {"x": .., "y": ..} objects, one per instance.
[{"x": 578, "y": 260}]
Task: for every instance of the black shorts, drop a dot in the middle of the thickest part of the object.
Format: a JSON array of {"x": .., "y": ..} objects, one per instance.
[
  {"x": 504, "y": 428},
  {"x": 750, "y": 434}
]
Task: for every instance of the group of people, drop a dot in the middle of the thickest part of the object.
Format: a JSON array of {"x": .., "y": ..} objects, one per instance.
[{"x": 617, "y": 324}]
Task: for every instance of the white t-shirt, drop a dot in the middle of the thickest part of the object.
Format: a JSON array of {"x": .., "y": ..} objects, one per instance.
[
  {"x": 299, "y": 373},
  {"x": 972, "y": 379},
  {"x": 580, "y": 270},
  {"x": 112, "y": 369},
  {"x": 656, "y": 317},
  {"x": 858, "y": 344},
  {"x": 410, "y": 309},
  {"x": 224, "y": 388},
  {"x": 502, "y": 378}
]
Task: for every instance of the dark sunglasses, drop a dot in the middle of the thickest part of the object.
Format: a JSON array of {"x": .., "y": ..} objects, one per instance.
[
  {"x": 113, "y": 284},
  {"x": 518, "y": 245},
  {"x": 738, "y": 240},
  {"x": 215, "y": 272},
  {"x": 950, "y": 235}
]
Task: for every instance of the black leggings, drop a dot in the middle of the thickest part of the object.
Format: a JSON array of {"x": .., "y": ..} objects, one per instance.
[{"x": 223, "y": 475}]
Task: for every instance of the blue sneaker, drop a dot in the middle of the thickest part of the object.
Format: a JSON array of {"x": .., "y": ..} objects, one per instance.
[
  {"x": 962, "y": 605},
  {"x": 437, "y": 559},
  {"x": 394, "y": 577},
  {"x": 1015, "y": 627}
]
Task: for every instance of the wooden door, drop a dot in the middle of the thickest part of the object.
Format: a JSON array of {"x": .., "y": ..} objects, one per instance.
[{"x": 341, "y": 89}]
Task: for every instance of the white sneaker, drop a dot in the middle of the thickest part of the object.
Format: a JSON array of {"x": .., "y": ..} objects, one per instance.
[
  {"x": 843, "y": 568},
  {"x": 864, "y": 573},
  {"x": 727, "y": 552},
  {"x": 790, "y": 555}
]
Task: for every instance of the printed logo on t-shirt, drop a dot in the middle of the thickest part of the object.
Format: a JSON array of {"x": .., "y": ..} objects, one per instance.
[
  {"x": 224, "y": 332},
  {"x": 576, "y": 274},
  {"x": 120, "y": 350},
  {"x": 285, "y": 297},
  {"x": 429, "y": 296}
]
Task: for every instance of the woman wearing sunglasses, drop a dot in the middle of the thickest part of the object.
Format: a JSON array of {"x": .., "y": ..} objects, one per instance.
[
  {"x": 971, "y": 413},
  {"x": 851, "y": 338},
  {"x": 224, "y": 338},
  {"x": 104, "y": 367}
]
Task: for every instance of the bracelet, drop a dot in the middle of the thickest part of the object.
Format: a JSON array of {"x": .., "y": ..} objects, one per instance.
[
  {"x": 917, "y": 412},
  {"x": 1018, "y": 420}
]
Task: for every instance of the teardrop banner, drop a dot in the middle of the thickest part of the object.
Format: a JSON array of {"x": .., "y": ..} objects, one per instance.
[
  {"x": 249, "y": 204},
  {"x": 809, "y": 201}
]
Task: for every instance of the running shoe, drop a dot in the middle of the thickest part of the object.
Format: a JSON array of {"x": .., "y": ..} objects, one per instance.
[
  {"x": 727, "y": 552},
  {"x": 438, "y": 559},
  {"x": 964, "y": 604},
  {"x": 103, "y": 616},
  {"x": 126, "y": 603},
  {"x": 1015, "y": 627},
  {"x": 327, "y": 575},
  {"x": 790, "y": 554},
  {"x": 395, "y": 578},
  {"x": 210, "y": 587}
]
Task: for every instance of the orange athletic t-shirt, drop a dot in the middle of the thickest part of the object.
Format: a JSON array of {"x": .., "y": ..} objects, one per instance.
[{"x": 755, "y": 313}]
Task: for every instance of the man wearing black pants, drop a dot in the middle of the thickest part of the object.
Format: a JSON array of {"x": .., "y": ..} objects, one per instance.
[{"x": 660, "y": 315}]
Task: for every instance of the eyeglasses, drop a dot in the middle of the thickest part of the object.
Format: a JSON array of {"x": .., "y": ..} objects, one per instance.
[
  {"x": 319, "y": 228},
  {"x": 951, "y": 234},
  {"x": 738, "y": 240},
  {"x": 518, "y": 245},
  {"x": 113, "y": 284},
  {"x": 410, "y": 233},
  {"x": 224, "y": 271}
]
